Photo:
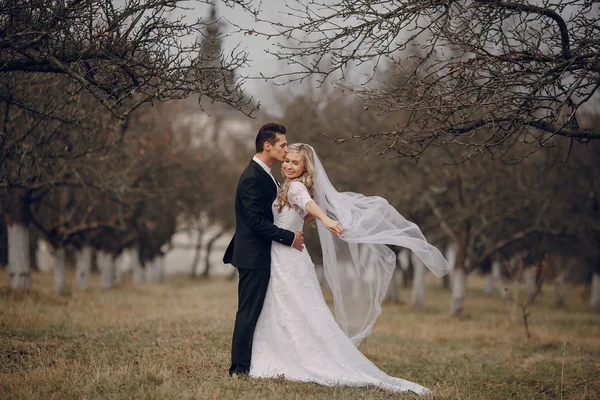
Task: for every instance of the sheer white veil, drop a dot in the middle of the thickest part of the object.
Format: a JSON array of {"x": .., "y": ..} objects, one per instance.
[{"x": 358, "y": 265}]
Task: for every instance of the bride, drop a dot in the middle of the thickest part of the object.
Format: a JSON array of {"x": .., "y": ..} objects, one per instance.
[{"x": 296, "y": 336}]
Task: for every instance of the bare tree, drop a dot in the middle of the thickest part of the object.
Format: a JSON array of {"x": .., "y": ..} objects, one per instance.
[
  {"x": 112, "y": 51},
  {"x": 484, "y": 74},
  {"x": 488, "y": 210}
]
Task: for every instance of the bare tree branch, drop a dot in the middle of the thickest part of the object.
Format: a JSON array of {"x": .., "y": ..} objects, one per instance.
[{"x": 479, "y": 75}]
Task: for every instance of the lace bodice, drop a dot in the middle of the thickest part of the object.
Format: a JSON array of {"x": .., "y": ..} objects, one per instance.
[{"x": 292, "y": 218}]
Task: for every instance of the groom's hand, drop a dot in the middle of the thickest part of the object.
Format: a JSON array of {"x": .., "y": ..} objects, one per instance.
[{"x": 298, "y": 241}]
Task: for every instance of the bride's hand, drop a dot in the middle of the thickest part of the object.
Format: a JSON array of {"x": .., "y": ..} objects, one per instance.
[{"x": 333, "y": 226}]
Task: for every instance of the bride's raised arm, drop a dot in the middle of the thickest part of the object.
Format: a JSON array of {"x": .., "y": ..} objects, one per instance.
[
  {"x": 332, "y": 225},
  {"x": 299, "y": 196}
]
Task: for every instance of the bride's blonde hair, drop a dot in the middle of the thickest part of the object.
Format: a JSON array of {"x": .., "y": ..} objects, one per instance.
[{"x": 307, "y": 178}]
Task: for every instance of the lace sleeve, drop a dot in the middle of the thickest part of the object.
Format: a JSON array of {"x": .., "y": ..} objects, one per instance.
[{"x": 298, "y": 195}]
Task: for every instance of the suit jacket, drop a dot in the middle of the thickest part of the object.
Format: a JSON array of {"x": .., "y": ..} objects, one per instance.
[{"x": 250, "y": 247}]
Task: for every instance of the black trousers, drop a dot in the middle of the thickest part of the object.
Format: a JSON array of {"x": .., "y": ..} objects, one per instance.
[{"x": 252, "y": 289}]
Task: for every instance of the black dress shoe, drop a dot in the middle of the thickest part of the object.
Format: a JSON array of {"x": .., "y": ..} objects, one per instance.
[{"x": 239, "y": 370}]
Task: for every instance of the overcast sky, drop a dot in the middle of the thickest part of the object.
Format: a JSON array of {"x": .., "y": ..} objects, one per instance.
[{"x": 256, "y": 46}]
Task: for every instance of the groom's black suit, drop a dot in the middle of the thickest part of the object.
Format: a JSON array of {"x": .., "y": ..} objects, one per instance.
[{"x": 250, "y": 252}]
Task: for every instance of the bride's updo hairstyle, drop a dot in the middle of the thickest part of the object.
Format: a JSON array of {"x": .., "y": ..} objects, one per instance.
[{"x": 307, "y": 178}]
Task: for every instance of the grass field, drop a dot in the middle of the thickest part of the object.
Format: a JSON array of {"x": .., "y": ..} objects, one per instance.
[{"x": 172, "y": 341}]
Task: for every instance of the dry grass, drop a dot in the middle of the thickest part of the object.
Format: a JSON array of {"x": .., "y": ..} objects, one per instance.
[{"x": 172, "y": 341}]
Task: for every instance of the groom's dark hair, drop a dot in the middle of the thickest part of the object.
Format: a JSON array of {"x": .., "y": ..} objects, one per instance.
[{"x": 268, "y": 133}]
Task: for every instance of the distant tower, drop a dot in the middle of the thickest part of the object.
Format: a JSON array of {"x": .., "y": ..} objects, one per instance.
[
  {"x": 210, "y": 52},
  {"x": 218, "y": 124},
  {"x": 210, "y": 68},
  {"x": 210, "y": 58}
]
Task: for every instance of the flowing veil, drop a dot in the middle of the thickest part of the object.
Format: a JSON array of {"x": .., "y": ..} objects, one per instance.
[{"x": 359, "y": 265}]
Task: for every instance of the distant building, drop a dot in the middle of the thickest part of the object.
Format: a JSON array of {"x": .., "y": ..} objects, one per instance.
[{"x": 211, "y": 123}]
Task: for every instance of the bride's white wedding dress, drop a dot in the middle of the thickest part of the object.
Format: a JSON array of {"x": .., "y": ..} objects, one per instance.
[{"x": 296, "y": 335}]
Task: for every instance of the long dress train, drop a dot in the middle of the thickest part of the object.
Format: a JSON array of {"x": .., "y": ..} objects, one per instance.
[{"x": 296, "y": 335}]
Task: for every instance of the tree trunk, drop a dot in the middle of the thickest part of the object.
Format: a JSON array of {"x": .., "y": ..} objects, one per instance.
[
  {"x": 118, "y": 274},
  {"x": 459, "y": 286},
  {"x": 137, "y": 274},
  {"x": 159, "y": 269},
  {"x": 149, "y": 270},
  {"x": 59, "y": 268},
  {"x": 154, "y": 270},
  {"x": 418, "y": 283},
  {"x": 83, "y": 267},
  {"x": 195, "y": 261},
  {"x": 489, "y": 284},
  {"x": 19, "y": 266},
  {"x": 137, "y": 271},
  {"x": 530, "y": 283},
  {"x": 450, "y": 256},
  {"x": 559, "y": 289},
  {"x": 33, "y": 247},
  {"x": 405, "y": 266},
  {"x": 209, "y": 246},
  {"x": 106, "y": 265},
  {"x": 516, "y": 283},
  {"x": 497, "y": 277},
  {"x": 595, "y": 295},
  {"x": 393, "y": 292},
  {"x": 459, "y": 275}
]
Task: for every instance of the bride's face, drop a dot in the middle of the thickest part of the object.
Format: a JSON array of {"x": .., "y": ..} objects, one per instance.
[{"x": 293, "y": 165}]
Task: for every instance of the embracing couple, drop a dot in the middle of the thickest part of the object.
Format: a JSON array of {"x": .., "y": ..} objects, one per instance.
[{"x": 283, "y": 326}]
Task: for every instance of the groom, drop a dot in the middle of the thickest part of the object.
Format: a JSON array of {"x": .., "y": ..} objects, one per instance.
[{"x": 250, "y": 248}]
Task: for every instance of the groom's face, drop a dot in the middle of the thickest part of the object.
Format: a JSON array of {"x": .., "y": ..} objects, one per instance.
[{"x": 279, "y": 149}]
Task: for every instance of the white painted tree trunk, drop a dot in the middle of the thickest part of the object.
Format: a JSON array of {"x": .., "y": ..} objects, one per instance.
[
  {"x": 59, "y": 268},
  {"x": 106, "y": 265},
  {"x": 393, "y": 292},
  {"x": 595, "y": 297},
  {"x": 19, "y": 268},
  {"x": 489, "y": 284},
  {"x": 149, "y": 270},
  {"x": 118, "y": 272},
  {"x": 459, "y": 287},
  {"x": 137, "y": 271},
  {"x": 418, "y": 283},
  {"x": 405, "y": 266},
  {"x": 450, "y": 255},
  {"x": 497, "y": 277},
  {"x": 530, "y": 284},
  {"x": 83, "y": 267},
  {"x": 559, "y": 289},
  {"x": 516, "y": 295},
  {"x": 154, "y": 270},
  {"x": 160, "y": 269},
  {"x": 404, "y": 259}
]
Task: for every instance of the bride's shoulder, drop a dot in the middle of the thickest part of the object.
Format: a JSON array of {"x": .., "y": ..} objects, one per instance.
[{"x": 297, "y": 186}]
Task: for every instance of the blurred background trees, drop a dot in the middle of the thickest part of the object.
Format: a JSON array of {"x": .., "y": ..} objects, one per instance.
[
  {"x": 484, "y": 211},
  {"x": 88, "y": 152},
  {"x": 495, "y": 103},
  {"x": 487, "y": 76},
  {"x": 110, "y": 161}
]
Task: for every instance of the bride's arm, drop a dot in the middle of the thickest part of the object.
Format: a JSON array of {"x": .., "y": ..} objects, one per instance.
[{"x": 332, "y": 225}]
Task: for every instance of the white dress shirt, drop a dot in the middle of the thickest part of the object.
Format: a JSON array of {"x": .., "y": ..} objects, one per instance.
[{"x": 266, "y": 168}]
